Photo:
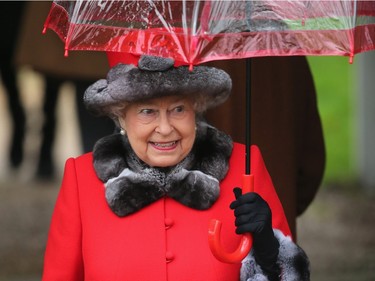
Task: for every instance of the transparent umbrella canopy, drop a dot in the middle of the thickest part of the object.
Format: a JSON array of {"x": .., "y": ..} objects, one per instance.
[{"x": 193, "y": 32}]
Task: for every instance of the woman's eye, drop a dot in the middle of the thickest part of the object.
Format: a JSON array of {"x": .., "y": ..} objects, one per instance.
[
  {"x": 179, "y": 109},
  {"x": 147, "y": 111},
  {"x": 147, "y": 115}
]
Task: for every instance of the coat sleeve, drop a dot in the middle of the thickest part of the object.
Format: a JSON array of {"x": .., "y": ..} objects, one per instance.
[
  {"x": 63, "y": 257},
  {"x": 311, "y": 156}
]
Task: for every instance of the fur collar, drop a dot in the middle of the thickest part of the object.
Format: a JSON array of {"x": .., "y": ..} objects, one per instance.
[{"x": 130, "y": 184}]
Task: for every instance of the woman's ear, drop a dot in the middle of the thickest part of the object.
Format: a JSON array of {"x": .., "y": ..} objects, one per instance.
[
  {"x": 122, "y": 126},
  {"x": 121, "y": 121}
]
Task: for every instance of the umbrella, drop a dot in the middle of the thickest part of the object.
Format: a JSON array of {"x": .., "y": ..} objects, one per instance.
[{"x": 194, "y": 32}]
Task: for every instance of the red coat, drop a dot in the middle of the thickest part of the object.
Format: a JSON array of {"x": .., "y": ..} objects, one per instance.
[{"x": 163, "y": 241}]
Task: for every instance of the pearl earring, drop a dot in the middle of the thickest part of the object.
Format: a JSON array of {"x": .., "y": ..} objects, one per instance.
[{"x": 123, "y": 132}]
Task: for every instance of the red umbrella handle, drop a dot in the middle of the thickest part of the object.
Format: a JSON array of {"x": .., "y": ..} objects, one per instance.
[{"x": 214, "y": 234}]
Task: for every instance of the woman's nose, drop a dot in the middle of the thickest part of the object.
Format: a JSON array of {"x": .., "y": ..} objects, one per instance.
[{"x": 164, "y": 125}]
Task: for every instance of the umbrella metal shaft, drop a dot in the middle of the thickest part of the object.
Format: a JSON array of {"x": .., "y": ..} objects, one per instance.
[{"x": 248, "y": 116}]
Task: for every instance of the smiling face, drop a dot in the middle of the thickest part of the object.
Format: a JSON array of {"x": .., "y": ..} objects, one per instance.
[{"x": 161, "y": 131}]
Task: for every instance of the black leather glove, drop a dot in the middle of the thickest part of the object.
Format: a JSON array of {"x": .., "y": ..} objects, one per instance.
[{"x": 253, "y": 215}]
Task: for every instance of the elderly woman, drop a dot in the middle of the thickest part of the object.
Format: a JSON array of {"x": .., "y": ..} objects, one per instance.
[{"x": 139, "y": 206}]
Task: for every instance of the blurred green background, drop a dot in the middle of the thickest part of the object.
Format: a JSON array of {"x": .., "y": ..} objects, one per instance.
[{"x": 335, "y": 84}]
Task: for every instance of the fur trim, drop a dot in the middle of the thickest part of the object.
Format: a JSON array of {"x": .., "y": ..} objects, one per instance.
[
  {"x": 154, "y": 78},
  {"x": 131, "y": 184},
  {"x": 149, "y": 63},
  {"x": 292, "y": 260}
]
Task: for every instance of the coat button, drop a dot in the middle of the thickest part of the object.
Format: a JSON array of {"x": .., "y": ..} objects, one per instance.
[
  {"x": 169, "y": 256},
  {"x": 168, "y": 223}
]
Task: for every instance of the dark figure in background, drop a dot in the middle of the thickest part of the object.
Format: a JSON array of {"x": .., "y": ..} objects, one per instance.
[
  {"x": 89, "y": 133},
  {"x": 45, "y": 54},
  {"x": 10, "y": 16}
]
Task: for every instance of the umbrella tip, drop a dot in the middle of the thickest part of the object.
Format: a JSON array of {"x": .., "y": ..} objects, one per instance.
[
  {"x": 351, "y": 59},
  {"x": 66, "y": 53}
]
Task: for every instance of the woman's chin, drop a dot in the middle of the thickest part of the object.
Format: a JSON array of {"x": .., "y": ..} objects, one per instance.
[
  {"x": 164, "y": 160},
  {"x": 163, "y": 163}
]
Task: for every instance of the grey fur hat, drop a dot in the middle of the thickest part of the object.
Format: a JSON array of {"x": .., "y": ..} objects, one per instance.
[{"x": 157, "y": 77}]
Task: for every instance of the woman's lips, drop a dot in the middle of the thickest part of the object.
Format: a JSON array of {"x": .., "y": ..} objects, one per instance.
[{"x": 164, "y": 145}]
